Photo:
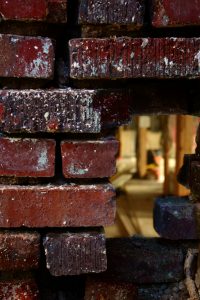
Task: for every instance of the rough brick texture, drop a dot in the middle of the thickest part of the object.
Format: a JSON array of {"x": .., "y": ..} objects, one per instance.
[
  {"x": 75, "y": 253},
  {"x": 144, "y": 261},
  {"x": 19, "y": 251},
  {"x": 34, "y": 10},
  {"x": 68, "y": 110},
  {"x": 29, "y": 57},
  {"x": 176, "y": 218},
  {"x": 56, "y": 206},
  {"x": 112, "y": 12},
  {"x": 19, "y": 290},
  {"x": 109, "y": 290},
  {"x": 115, "y": 58},
  {"x": 89, "y": 159},
  {"x": 27, "y": 157},
  {"x": 175, "y": 13}
]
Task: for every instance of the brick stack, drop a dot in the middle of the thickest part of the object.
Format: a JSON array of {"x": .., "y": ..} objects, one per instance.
[{"x": 60, "y": 103}]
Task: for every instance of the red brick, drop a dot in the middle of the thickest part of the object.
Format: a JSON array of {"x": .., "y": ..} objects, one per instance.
[
  {"x": 56, "y": 206},
  {"x": 68, "y": 110},
  {"x": 19, "y": 290},
  {"x": 31, "y": 57},
  {"x": 130, "y": 12},
  {"x": 27, "y": 157},
  {"x": 75, "y": 253},
  {"x": 89, "y": 159},
  {"x": 97, "y": 288},
  {"x": 34, "y": 10},
  {"x": 177, "y": 218},
  {"x": 19, "y": 251},
  {"x": 124, "y": 57},
  {"x": 175, "y": 13}
]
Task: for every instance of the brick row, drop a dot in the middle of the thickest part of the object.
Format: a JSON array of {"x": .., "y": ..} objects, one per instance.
[
  {"x": 19, "y": 251},
  {"x": 56, "y": 206},
  {"x": 177, "y": 218},
  {"x": 75, "y": 253},
  {"x": 34, "y": 10},
  {"x": 167, "y": 13},
  {"x": 26, "y": 57},
  {"x": 81, "y": 111},
  {"x": 120, "y": 58},
  {"x": 19, "y": 289}
]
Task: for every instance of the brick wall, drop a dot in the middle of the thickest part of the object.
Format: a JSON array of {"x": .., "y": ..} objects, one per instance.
[{"x": 71, "y": 72}]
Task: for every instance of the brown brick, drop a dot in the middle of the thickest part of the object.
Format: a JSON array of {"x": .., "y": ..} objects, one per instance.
[
  {"x": 75, "y": 253},
  {"x": 34, "y": 10},
  {"x": 30, "y": 57},
  {"x": 66, "y": 110},
  {"x": 124, "y": 57},
  {"x": 177, "y": 218},
  {"x": 175, "y": 13},
  {"x": 97, "y": 288},
  {"x": 19, "y": 251},
  {"x": 27, "y": 157},
  {"x": 19, "y": 290},
  {"x": 89, "y": 159},
  {"x": 56, "y": 206},
  {"x": 144, "y": 260},
  {"x": 130, "y": 12}
]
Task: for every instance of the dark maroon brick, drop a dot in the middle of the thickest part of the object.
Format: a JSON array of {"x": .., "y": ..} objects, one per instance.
[
  {"x": 27, "y": 157},
  {"x": 144, "y": 260},
  {"x": 124, "y": 57},
  {"x": 19, "y": 251},
  {"x": 89, "y": 159},
  {"x": 66, "y": 110},
  {"x": 176, "y": 218},
  {"x": 130, "y": 12},
  {"x": 56, "y": 206},
  {"x": 97, "y": 288},
  {"x": 75, "y": 253},
  {"x": 175, "y": 13},
  {"x": 34, "y": 10},
  {"x": 19, "y": 290},
  {"x": 27, "y": 57}
]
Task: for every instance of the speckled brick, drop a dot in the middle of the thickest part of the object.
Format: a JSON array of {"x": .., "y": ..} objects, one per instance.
[
  {"x": 144, "y": 260},
  {"x": 57, "y": 206},
  {"x": 89, "y": 159},
  {"x": 75, "y": 253},
  {"x": 66, "y": 110},
  {"x": 97, "y": 288},
  {"x": 124, "y": 57},
  {"x": 19, "y": 251},
  {"x": 175, "y": 13},
  {"x": 26, "y": 57},
  {"x": 27, "y": 157},
  {"x": 19, "y": 290},
  {"x": 34, "y": 10},
  {"x": 177, "y": 218},
  {"x": 130, "y": 12}
]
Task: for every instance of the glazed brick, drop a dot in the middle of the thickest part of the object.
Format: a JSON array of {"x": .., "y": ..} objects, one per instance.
[
  {"x": 26, "y": 57},
  {"x": 89, "y": 159},
  {"x": 75, "y": 253},
  {"x": 34, "y": 10},
  {"x": 176, "y": 218},
  {"x": 19, "y": 251},
  {"x": 18, "y": 290},
  {"x": 124, "y": 57},
  {"x": 27, "y": 157},
  {"x": 68, "y": 110},
  {"x": 97, "y": 288},
  {"x": 130, "y": 12},
  {"x": 144, "y": 261},
  {"x": 175, "y": 13},
  {"x": 56, "y": 206}
]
